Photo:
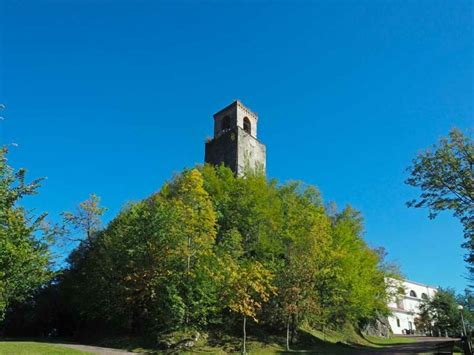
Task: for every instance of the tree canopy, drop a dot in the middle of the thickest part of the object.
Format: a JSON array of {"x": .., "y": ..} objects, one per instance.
[
  {"x": 212, "y": 249},
  {"x": 24, "y": 254},
  {"x": 444, "y": 175},
  {"x": 440, "y": 315}
]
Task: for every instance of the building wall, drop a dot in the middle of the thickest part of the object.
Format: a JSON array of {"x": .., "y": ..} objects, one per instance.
[
  {"x": 223, "y": 150},
  {"x": 251, "y": 153},
  {"x": 237, "y": 150},
  {"x": 405, "y": 322},
  {"x": 406, "y": 308},
  {"x": 243, "y": 112}
]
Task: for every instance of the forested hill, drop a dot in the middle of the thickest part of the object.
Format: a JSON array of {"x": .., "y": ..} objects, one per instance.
[{"x": 212, "y": 250}]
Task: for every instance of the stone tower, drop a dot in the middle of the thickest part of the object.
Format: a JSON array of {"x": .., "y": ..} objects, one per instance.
[{"x": 235, "y": 141}]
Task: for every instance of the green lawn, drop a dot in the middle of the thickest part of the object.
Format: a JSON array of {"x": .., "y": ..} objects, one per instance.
[
  {"x": 389, "y": 341},
  {"x": 30, "y": 348},
  {"x": 313, "y": 341}
]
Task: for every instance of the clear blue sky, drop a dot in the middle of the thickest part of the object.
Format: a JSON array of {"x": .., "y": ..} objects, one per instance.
[{"x": 112, "y": 97}]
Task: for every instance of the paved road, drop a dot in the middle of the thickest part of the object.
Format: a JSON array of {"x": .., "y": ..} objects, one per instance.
[
  {"x": 422, "y": 345},
  {"x": 96, "y": 349}
]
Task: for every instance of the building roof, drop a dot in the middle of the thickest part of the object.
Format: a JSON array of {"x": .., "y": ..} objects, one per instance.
[
  {"x": 420, "y": 284},
  {"x": 413, "y": 282}
]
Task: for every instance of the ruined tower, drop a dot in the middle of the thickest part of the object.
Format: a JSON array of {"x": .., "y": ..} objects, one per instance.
[{"x": 235, "y": 141}]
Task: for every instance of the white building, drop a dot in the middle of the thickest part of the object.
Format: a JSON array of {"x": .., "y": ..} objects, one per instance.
[{"x": 405, "y": 308}]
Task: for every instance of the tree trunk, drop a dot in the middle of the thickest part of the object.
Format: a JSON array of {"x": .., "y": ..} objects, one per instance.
[
  {"x": 244, "y": 350},
  {"x": 293, "y": 328},
  {"x": 288, "y": 333},
  {"x": 188, "y": 268},
  {"x": 189, "y": 255}
]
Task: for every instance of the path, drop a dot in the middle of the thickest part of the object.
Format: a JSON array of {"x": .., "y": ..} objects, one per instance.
[
  {"x": 96, "y": 349},
  {"x": 422, "y": 345}
]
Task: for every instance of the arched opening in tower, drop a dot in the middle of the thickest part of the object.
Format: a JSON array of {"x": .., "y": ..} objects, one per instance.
[{"x": 247, "y": 125}]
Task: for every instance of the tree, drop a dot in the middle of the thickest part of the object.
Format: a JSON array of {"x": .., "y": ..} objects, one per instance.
[
  {"x": 212, "y": 248},
  {"x": 24, "y": 254},
  {"x": 249, "y": 286},
  {"x": 360, "y": 291},
  {"x": 466, "y": 300},
  {"x": 305, "y": 232},
  {"x": 296, "y": 286},
  {"x": 441, "y": 314},
  {"x": 197, "y": 231},
  {"x": 423, "y": 322},
  {"x": 86, "y": 219},
  {"x": 445, "y": 176},
  {"x": 153, "y": 267}
]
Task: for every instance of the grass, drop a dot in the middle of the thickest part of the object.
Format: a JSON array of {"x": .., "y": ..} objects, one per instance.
[
  {"x": 347, "y": 335},
  {"x": 389, "y": 341},
  {"x": 310, "y": 340},
  {"x": 35, "y": 348}
]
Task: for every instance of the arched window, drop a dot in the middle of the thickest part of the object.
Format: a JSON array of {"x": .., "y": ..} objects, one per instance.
[
  {"x": 225, "y": 123},
  {"x": 424, "y": 296},
  {"x": 247, "y": 125},
  {"x": 413, "y": 293},
  {"x": 398, "y": 323}
]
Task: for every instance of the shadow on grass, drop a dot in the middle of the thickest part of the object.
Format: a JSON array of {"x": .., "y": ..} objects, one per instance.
[
  {"x": 386, "y": 344},
  {"x": 309, "y": 343}
]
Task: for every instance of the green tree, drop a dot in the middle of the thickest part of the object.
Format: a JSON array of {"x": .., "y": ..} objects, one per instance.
[
  {"x": 210, "y": 242},
  {"x": 86, "y": 219},
  {"x": 361, "y": 278},
  {"x": 197, "y": 230},
  {"x": 305, "y": 233},
  {"x": 441, "y": 313},
  {"x": 423, "y": 322},
  {"x": 466, "y": 300},
  {"x": 248, "y": 287},
  {"x": 24, "y": 254},
  {"x": 296, "y": 284},
  {"x": 153, "y": 267},
  {"x": 444, "y": 174}
]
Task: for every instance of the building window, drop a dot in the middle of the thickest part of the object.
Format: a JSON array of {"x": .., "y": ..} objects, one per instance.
[
  {"x": 424, "y": 296},
  {"x": 247, "y": 125},
  {"x": 398, "y": 323},
  {"x": 225, "y": 123},
  {"x": 413, "y": 293}
]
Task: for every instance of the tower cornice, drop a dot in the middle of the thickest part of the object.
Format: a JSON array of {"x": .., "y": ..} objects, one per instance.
[{"x": 237, "y": 104}]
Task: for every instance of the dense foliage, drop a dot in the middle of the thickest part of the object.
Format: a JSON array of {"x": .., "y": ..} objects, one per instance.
[
  {"x": 466, "y": 301},
  {"x": 445, "y": 176},
  {"x": 24, "y": 255},
  {"x": 440, "y": 315},
  {"x": 211, "y": 249}
]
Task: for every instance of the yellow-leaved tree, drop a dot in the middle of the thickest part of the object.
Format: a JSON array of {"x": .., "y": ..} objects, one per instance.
[
  {"x": 196, "y": 231},
  {"x": 249, "y": 285}
]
